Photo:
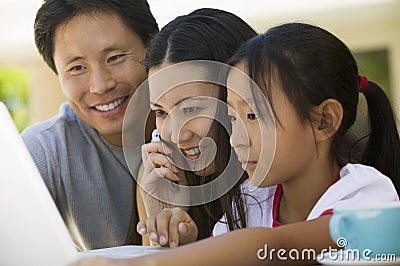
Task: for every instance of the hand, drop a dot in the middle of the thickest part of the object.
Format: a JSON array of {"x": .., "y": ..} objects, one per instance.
[
  {"x": 171, "y": 227},
  {"x": 157, "y": 192}
]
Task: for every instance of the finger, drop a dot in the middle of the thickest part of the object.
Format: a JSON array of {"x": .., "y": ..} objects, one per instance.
[
  {"x": 158, "y": 180},
  {"x": 158, "y": 159},
  {"x": 183, "y": 229},
  {"x": 187, "y": 232},
  {"x": 150, "y": 148},
  {"x": 179, "y": 216},
  {"x": 173, "y": 231},
  {"x": 141, "y": 228},
  {"x": 152, "y": 228},
  {"x": 157, "y": 147},
  {"x": 156, "y": 173},
  {"x": 163, "y": 219},
  {"x": 187, "y": 228}
]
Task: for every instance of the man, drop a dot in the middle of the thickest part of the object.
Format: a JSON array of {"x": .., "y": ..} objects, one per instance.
[{"x": 95, "y": 47}]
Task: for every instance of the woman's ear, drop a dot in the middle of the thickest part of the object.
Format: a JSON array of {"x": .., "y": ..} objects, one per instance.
[{"x": 327, "y": 118}]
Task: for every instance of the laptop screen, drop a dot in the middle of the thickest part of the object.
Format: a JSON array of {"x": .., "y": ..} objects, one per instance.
[{"x": 32, "y": 231}]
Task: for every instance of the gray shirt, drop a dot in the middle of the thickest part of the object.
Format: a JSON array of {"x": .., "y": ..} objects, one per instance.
[{"x": 88, "y": 179}]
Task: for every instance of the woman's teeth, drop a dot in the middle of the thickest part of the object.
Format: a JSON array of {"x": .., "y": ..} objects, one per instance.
[
  {"x": 110, "y": 106},
  {"x": 192, "y": 152}
]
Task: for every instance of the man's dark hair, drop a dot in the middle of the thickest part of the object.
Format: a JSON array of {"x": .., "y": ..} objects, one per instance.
[{"x": 136, "y": 14}]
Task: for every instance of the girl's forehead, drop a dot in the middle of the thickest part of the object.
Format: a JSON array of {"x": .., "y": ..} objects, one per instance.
[
  {"x": 239, "y": 84},
  {"x": 236, "y": 98}
]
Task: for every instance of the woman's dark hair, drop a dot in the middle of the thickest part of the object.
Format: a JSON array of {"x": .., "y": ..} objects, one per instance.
[
  {"x": 313, "y": 65},
  {"x": 135, "y": 14},
  {"x": 215, "y": 35}
]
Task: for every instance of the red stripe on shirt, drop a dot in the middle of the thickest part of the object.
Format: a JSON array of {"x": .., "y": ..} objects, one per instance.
[{"x": 277, "y": 201}]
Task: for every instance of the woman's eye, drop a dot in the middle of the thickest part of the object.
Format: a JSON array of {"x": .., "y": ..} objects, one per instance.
[
  {"x": 252, "y": 116},
  {"x": 190, "y": 110},
  {"x": 160, "y": 113}
]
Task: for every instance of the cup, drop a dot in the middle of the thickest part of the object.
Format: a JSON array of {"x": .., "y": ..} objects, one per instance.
[{"x": 371, "y": 230}]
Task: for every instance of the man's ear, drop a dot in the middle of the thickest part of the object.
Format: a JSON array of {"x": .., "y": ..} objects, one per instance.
[{"x": 327, "y": 118}]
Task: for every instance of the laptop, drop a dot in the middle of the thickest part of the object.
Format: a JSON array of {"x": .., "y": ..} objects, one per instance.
[{"x": 32, "y": 231}]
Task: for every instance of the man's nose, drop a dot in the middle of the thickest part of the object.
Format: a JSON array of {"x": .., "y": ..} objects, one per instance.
[{"x": 101, "y": 81}]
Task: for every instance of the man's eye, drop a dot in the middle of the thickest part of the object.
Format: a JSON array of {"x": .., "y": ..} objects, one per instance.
[
  {"x": 76, "y": 69},
  {"x": 160, "y": 113},
  {"x": 190, "y": 110},
  {"x": 115, "y": 57},
  {"x": 252, "y": 116}
]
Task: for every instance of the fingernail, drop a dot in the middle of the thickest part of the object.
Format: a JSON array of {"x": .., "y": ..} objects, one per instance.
[
  {"x": 182, "y": 228},
  {"x": 153, "y": 236},
  {"x": 172, "y": 244},
  {"x": 142, "y": 231},
  {"x": 162, "y": 240}
]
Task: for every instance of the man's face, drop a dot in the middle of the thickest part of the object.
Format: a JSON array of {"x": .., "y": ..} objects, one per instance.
[{"x": 98, "y": 63}]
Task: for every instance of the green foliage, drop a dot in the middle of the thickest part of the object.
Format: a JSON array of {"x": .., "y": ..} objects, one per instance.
[
  {"x": 14, "y": 93},
  {"x": 375, "y": 66}
]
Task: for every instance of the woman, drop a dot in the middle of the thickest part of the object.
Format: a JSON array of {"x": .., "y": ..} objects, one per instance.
[{"x": 205, "y": 34}]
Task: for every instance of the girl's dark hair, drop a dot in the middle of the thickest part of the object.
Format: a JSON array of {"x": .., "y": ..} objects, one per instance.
[
  {"x": 313, "y": 65},
  {"x": 206, "y": 34},
  {"x": 135, "y": 14}
]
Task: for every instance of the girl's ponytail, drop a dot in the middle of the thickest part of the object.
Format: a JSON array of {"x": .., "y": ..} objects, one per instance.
[{"x": 383, "y": 148}]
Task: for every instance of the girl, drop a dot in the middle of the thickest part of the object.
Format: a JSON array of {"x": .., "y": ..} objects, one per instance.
[
  {"x": 311, "y": 81},
  {"x": 188, "y": 38}
]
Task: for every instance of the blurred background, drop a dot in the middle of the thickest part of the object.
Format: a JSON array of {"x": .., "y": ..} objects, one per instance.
[{"x": 371, "y": 28}]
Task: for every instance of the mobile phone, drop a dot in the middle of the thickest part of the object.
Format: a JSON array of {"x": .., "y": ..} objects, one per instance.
[{"x": 155, "y": 136}]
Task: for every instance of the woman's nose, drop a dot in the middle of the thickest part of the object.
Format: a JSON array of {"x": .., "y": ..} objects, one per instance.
[
  {"x": 181, "y": 134},
  {"x": 176, "y": 129}
]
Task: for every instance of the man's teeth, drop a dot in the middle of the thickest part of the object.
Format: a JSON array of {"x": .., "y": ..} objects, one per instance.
[
  {"x": 110, "y": 106},
  {"x": 192, "y": 152}
]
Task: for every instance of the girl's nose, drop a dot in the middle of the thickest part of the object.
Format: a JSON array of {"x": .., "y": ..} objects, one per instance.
[{"x": 239, "y": 137}]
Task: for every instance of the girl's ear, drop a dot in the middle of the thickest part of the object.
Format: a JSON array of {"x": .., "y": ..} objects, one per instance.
[{"x": 327, "y": 118}]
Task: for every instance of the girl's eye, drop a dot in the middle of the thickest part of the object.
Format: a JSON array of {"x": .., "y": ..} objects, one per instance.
[
  {"x": 160, "y": 113},
  {"x": 252, "y": 116},
  {"x": 190, "y": 110}
]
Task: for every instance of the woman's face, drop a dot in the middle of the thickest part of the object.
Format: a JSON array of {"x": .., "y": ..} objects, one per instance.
[{"x": 184, "y": 115}]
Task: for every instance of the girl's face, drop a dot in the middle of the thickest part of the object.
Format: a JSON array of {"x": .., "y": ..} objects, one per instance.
[
  {"x": 267, "y": 160},
  {"x": 184, "y": 115}
]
